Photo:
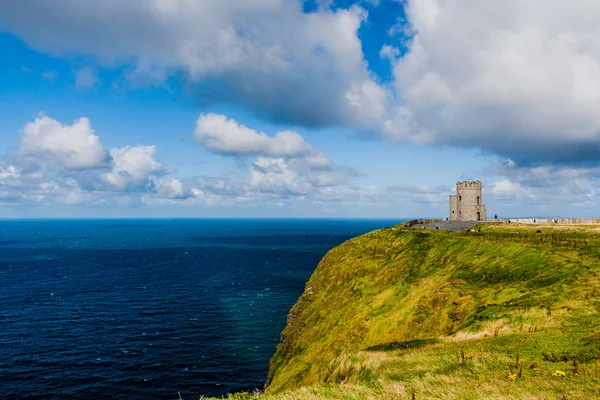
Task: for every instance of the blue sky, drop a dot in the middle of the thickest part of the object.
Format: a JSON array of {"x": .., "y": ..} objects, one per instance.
[{"x": 277, "y": 108}]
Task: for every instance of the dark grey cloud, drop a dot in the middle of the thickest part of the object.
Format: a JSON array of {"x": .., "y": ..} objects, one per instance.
[{"x": 268, "y": 55}]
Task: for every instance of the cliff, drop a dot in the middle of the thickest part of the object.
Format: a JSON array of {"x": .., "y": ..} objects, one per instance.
[{"x": 505, "y": 313}]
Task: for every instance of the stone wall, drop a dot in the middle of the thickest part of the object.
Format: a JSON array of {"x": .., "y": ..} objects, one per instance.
[
  {"x": 560, "y": 221},
  {"x": 453, "y": 208}
]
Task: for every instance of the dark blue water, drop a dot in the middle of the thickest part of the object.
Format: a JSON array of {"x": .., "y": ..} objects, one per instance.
[{"x": 143, "y": 309}]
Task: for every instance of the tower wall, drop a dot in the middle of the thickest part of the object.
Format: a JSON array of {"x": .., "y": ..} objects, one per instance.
[{"x": 469, "y": 203}]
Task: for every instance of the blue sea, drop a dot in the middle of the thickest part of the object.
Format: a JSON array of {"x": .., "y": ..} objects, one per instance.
[{"x": 144, "y": 309}]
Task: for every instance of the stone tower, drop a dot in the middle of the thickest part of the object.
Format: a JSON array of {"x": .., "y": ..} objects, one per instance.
[{"x": 467, "y": 204}]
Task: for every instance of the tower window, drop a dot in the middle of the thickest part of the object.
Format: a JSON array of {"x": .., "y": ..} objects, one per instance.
[
  {"x": 478, "y": 200},
  {"x": 459, "y": 198}
]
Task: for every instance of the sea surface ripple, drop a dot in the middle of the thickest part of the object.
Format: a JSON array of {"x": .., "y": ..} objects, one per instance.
[{"x": 143, "y": 309}]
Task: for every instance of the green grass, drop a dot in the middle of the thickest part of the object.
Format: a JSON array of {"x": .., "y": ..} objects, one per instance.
[{"x": 446, "y": 315}]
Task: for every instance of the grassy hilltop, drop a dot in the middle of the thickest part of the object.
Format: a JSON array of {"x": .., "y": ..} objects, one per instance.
[{"x": 507, "y": 313}]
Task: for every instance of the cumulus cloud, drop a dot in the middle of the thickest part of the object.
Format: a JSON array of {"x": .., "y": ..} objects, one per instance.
[
  {"x": 73, "y": 146},
  {"x": 506, "y": 189},
  {"x": 222, "y": 135},
  {"x": 543, "y": 189},
  {"x": 521, "y": 79},
  {"x": 289, "y": 177},
  {"x": 169, "y": 188},
  {"x": 275, "y": 176},
  {"x": 132, "y": 166},
  {"x": 67, "y": 164},
  {"x": 42, "y": 172},
  {"x": 280, "y": 62},
  {"x": 283, "y": 164}
]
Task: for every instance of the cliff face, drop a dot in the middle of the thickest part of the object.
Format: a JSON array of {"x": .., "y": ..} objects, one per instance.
[{"x": 398, "y": 289}]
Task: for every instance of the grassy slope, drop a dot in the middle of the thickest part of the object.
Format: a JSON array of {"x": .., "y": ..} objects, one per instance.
[{"x": 447, "y": 315}]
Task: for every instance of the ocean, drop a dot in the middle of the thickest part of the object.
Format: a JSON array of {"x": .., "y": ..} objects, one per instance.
[{"x": 144, "y": 309}]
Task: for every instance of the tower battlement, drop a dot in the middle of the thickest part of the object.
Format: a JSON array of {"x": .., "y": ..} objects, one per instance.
[{"x": 468, "y": 185}]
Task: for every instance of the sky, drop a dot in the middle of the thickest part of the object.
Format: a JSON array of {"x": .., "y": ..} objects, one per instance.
[{"x": 289, "y": 108}]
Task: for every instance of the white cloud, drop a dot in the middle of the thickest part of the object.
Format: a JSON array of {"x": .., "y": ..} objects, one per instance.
[
  {"x": 294, "y": 177},
  {"x": 132, "y": 167},
  {"x": 521, "y": 79},
  {"x": 506, "y": 189},
  {"x": 389, "y": 52},
  {"x": 544, "y": 189},
  {"x": 402, "y": 29},
  {"x": 52, "y": 173},
  {"x": 222, "y": 135},
  {"x": 66, "y": 164},
  {"x": 169, "y": 188},
  {"x": 73, "y": 146},
  {"x": 276, "y": 176},
  {"x": 283, "y": 164},
  {"x": 317, "y": 160},
  {"x": 9, "y": 172},
  {"x": 371, "y": 102}
]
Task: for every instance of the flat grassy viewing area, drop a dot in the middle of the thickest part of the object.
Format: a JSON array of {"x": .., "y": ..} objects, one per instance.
[{"x": 511, "y": 312}]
